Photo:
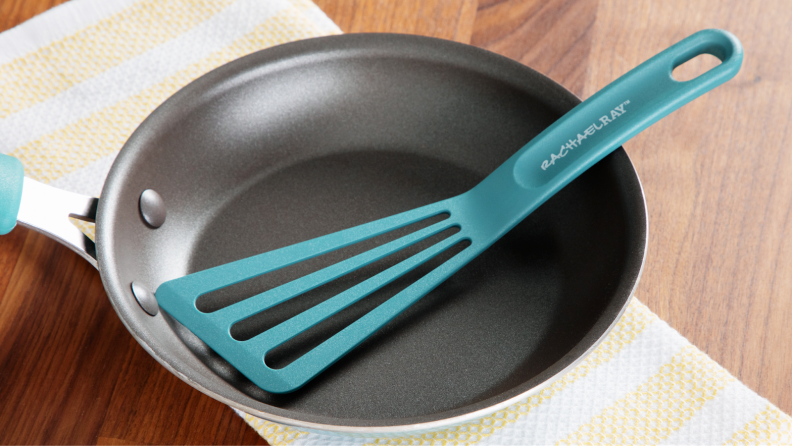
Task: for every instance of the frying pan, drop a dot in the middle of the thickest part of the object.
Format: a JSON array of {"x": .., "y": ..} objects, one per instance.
[{"x": 315, "y": 136}]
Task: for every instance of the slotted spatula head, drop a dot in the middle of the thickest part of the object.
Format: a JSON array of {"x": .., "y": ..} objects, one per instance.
[{"x": 479, "y": 217}]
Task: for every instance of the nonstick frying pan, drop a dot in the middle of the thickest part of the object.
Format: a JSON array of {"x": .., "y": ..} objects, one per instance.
[{"x": 315, "y": 136}]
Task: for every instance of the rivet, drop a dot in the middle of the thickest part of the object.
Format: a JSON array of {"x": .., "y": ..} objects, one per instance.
[
  {"x": 152, "y": 208},
  {"x": 145, "y": 299}
]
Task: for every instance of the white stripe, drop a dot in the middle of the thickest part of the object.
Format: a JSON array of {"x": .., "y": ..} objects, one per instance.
[
  {"x": 730, "y": 410},
  {"x": 317, "y": 439},
  {"x": 87, "y": 180},
  {"x": 564, "y": 413},
  {"x": 55, "y": 24},
  {"x": 136, "y": 74}
]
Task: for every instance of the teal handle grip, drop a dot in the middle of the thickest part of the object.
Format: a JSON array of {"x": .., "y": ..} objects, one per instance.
[
  {"x": 624, "y": 108},
  {"x": 11, "y": 176}
]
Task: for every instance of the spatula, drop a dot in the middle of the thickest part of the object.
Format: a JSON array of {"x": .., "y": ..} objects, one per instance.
[{"x": 482, "y": 215}]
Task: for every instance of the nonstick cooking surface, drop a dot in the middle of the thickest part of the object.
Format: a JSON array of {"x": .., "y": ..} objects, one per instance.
[{"x": 317, "y": 136}]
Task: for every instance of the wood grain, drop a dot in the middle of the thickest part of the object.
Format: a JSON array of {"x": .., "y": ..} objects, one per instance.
[
  {"x": 81, "y": 317},
  {"x": 717, "y": 176},
  {"x": 14, "y": 12},
  {"x": 551, "y": 36},
  {"x": 444, "y": 19}
]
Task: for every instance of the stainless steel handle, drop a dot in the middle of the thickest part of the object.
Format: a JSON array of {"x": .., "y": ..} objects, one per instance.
[{"x": 47, "y": 209}]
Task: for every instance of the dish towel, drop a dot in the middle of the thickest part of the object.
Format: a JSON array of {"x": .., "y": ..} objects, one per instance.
[{"x": 78, "y": 79}]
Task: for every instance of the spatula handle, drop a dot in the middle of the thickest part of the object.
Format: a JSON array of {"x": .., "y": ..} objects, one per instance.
[{"x": 624, "y": 108}]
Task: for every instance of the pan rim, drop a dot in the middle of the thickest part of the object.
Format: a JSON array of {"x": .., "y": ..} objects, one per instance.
[{"x": 313, "y": 422}]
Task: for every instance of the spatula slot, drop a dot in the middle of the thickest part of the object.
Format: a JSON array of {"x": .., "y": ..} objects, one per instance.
[
  {"x": 224, "y": 297},
  {"x": 306, "y": 341},
  {"x": 263, "y": 321}
]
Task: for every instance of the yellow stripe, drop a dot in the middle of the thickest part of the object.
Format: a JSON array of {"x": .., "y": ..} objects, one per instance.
[
  {"x": 275, "y": 434},
  {"x": 771, "y": 426},
  {"x": 660, "y": 406},
  {"x": 52, "y": 69},
  {"x": 635, "y": 319},
  {"x": 87, "y": 228},
  {"x": 104, "y": 132}
]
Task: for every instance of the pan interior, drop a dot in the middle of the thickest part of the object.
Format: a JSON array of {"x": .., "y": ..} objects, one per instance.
[{"x": 282, "y": 148}]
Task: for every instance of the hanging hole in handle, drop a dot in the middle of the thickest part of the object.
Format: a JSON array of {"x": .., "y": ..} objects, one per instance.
[{"x": 695, "y": 67}]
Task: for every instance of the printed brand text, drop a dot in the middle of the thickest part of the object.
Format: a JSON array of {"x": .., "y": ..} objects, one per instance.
[{"x": 574, "y": 143}]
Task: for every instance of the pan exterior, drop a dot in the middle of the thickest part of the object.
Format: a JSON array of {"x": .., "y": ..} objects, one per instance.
[{"x": 314, "y": 136}]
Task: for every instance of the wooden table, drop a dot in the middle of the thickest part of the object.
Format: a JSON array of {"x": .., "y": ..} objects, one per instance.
[{"x": 717, "y": 176}]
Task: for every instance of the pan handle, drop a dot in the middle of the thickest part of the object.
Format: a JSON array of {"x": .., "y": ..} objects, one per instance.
[
  {"x": 11, "y": 175},
  {"x": 44, "y": 208}
]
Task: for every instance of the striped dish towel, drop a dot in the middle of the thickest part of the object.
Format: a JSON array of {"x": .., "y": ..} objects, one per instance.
[
  {"x": 645, "y": 384},
  {"x": 78, "y": 79}
]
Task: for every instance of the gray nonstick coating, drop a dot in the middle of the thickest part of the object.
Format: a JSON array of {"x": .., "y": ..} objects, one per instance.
[{"x": 316, "y": 136}]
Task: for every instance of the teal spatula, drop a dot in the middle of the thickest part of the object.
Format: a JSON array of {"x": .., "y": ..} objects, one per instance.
[{"x": 541, "y": 168}]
